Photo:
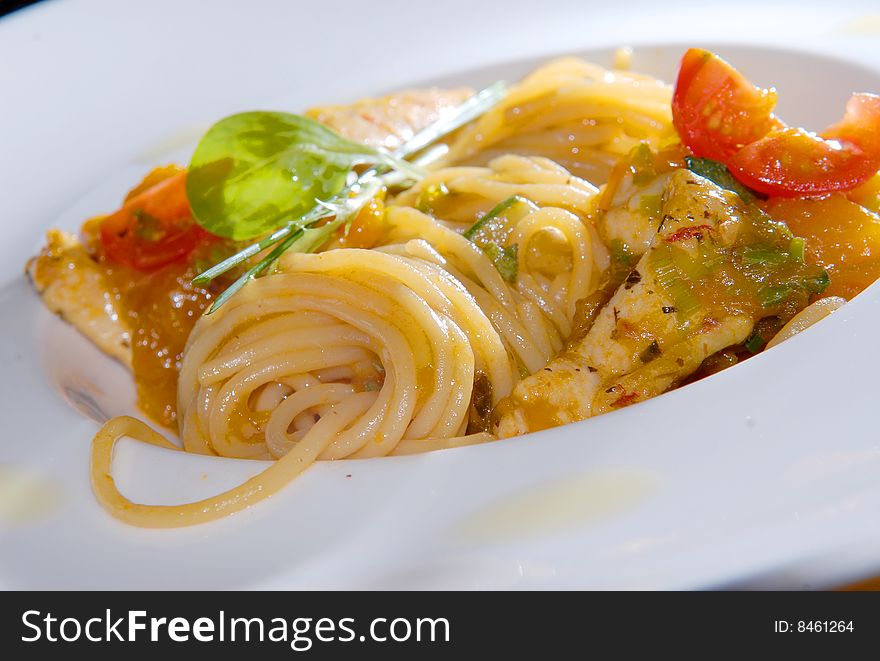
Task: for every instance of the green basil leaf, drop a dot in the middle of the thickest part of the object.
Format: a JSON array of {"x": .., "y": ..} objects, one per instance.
[{"x": 253, "y": 171}]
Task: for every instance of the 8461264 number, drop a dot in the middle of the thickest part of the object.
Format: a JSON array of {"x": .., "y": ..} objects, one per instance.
[{"x": 814, "y": 626}]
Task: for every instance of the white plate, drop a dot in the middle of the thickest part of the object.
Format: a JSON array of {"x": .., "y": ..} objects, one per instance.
[{"x": 763, "y": 475}]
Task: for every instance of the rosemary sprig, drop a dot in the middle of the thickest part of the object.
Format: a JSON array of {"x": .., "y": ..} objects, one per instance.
[{"x": 300, "y": 234}]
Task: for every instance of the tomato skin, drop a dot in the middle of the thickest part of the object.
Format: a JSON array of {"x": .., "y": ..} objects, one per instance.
[
  {"x": 720, "y": 115},
  {"x": 860, "y": 125},
  {"x": 715, "y": 110},
  {"x": 793, "y": 162},
  {"x": 170, "y": 234}
]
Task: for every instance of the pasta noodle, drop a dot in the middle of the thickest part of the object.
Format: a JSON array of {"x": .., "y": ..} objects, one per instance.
[
  {"x": 810, "y": 315},
  {"x": 580, "y": 115}
]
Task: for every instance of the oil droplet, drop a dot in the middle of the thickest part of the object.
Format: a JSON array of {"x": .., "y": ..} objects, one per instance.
[
  {"x": 555, "y": 507},
  {"x": 26, "y": 495}
]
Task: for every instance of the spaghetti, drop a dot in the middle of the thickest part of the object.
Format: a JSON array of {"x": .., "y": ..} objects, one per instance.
[
  {"x": 354, "y": 353},
  {"x": 496, "y": 266}
]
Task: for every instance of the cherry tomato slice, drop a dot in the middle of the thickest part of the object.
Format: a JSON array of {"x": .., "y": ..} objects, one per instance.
[
  {"x": 153, "y": 228},
  {"x": 793, "y": 162},
  {"x": 860, "y": 124},
  {"x": 715, "y": 110}
]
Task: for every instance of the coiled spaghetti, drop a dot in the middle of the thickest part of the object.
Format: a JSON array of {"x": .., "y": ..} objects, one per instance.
[{"x": 354, "y": 353}]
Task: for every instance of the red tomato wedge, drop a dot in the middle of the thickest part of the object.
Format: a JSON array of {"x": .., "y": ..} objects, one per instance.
[
  {"x": 720, "y": 115},
  {"x": 715, "y": 110},
  {"x": 860, "y": 124},
  {"x": 794, "y": 162},
  {"x": 153, "y": 228}
]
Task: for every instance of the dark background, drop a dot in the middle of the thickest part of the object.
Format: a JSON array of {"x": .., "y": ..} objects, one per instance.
[{"x": 9, "y": 6}]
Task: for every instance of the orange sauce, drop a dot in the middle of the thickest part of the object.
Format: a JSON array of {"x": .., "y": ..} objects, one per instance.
[
  {"x": 841, "y": 236},
  {"x": 160, "y": 309},
  {"x": 868, "y": 194},
  {"x": 367, "y": 228},
  {"x": 538, "y": 413}
]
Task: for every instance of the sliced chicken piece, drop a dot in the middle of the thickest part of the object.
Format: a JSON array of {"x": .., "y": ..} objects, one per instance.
[
  {"x": 391, "y": 120},
  {"x": 627, "y": 227},
  {"x": 74, "y": 286},
  {"x": 639, "y": 345},
  {"x": 634, "y": 216}
]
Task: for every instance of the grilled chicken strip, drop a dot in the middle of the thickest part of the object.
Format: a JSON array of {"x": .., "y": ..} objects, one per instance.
[
  {"x": 74, "y": 287},
  {"x": 391, "y": 120},
  {"x": 641, "y": 343}
]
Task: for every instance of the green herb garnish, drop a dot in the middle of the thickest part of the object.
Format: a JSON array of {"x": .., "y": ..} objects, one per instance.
[
  {"x": 674, "y": 281},
  {"x": 504, "y": 259},
  {"x": 718, "y": 174},
  {"x": 621, "y": 253},
  {"x": 252, "y": 170},
  {"x": 483, "y": 229},
  {"x": 765, "y": 255},
  {"x": 277, "y": 174},
  {"x": 491, "y": 231},
  {"x": 430, "y": 196},
  {"x": 818, "y": 283},
  {"x": 797, "y": 248},
  {"x": 755, "y": 343},
  {"x": 147, "y": 226},
  {"x": 642, "y": 164},
  {"x": 773, "y": 295},
  {"x": 650, "y": 204}
]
